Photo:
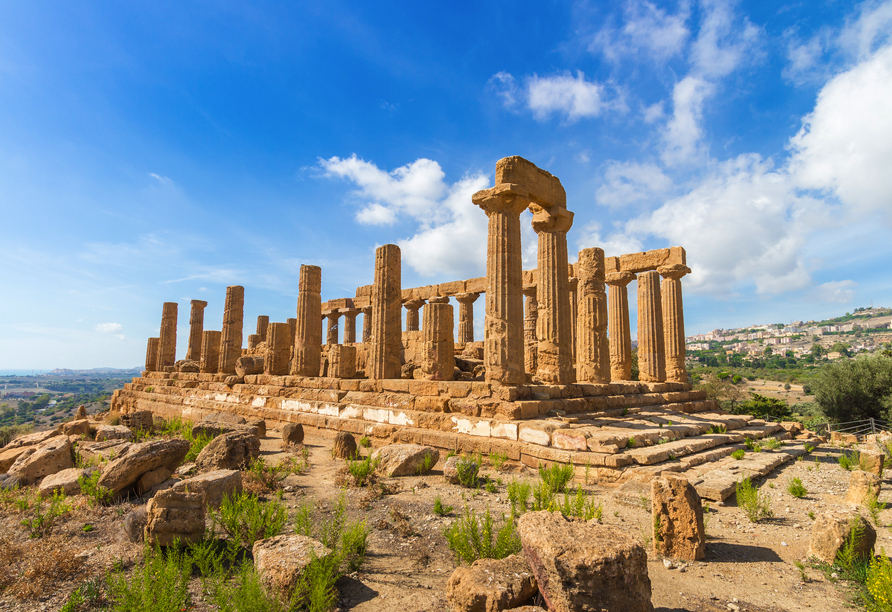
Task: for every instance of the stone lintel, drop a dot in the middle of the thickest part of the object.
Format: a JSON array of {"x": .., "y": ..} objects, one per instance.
[{"x": 646, "y": 261}]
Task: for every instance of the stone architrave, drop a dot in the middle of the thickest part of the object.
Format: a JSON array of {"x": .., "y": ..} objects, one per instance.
[
  {"x": 152, "y": 355},
  {"x": 651, "y": 342},
  {"x": 438, "y": 344},
  {"x": 278, "y": 349},
  {"x": 233, "y": 323},
  {"x": 529, "y": 329},
  {"x": 466, "y": 316},
  {"x": 673, "y": 321},
  {"x": 167, "y": 344},
  {"x": 349, "y": 324},
  {"x": 592, "y": 355},
  {"x": 386, "y": 341},
  {"x": 413, "y": 322},
  {"x": 341, "y": 361},
  {"x": 366, "y": 323},
  {"x": 196, "y": 327},
  {"x": 332, "y": 336},
  {"x": 572, "y": 287},
  {"x": 262, "y": 327},
  {"x": 619, "y": 330},
  {"x": 554, "y": 352},
  {"x": 210, "y": 351},
  {"x": 253, "y": 341},
  {"x": 308, "y": 337}
]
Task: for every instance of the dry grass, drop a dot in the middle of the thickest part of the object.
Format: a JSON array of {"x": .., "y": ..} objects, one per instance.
[{"x": 37, "y": 571}]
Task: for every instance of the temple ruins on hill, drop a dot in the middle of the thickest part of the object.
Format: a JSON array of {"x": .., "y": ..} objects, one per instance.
[{"x": 543, "y": 385}]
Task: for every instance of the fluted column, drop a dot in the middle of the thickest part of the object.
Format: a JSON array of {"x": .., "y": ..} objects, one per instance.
[
  {"x": 293, "y": 323},
  {"x": 555, "y": 351},
  {"x": 466, "y": 316},
  {"x": 412, "y": 307},
  {"x": 366, "y": 323},
  {"x": 332, "y": 336},
  {"x": 386, "y": 340},
  {"x": 167, "y": 343},
  {"x": 349, "y": 324},
  {"x": 619, "y": 329},
  {"x": 308, "y": 338},
  {"x": 233, "y": 322},
  {"x": 262, "y": 327},
  {"x": 209, "y": 362},
  {"x": 278, "y": 349},
  {"x": 438, "y": 344},
  {"x": 592, "y": 354},
  {"x": 673, "y": 321},
  {"x": 253, "y": 341},
  {"x": 572, "y": 287},
  {"x": 152, "y": 354},
  {"x": 196, "y": 326},
  {"x": 651, "y": 343},
  {"x": 529, "y": 329}
]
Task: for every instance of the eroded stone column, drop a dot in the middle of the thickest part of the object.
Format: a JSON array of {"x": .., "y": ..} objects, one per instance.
[
  {"x": 366, "y": 323},
  {"x": 412, "y": 307},
  {"x": 308, "y": 338},
  {"x": 529, "y": 329},
  {"x": 293, "y": 324},
  {"x": 210, "y": 352},
  {"x": 555, "y": 351},
  {"x": 592, "y": 354},
  {"x": 651, "y": 343},
  {"x": 152, "y": 354},
  {"x": 673, "y": 321},
  {"x": 332, "y": 336},
  {"x": 349, "y": 324},
  {"x": 341, "y": 361},
  {"x": 278, "y": 349},
  {"x": 438, "y": 344},
  {"x": 196, "y": 326},
  {"x": 262, "y": 327},
  {"x": 619, "y": 328},
  {"x": 572, "y": 287},
  {"x": 253, "y": 341},
  {"x": 466, "y": 316},
  {"x": 167, "y": 343},
  {"x": 386, "y": 340},
  {"x": 233, "y": 324}
]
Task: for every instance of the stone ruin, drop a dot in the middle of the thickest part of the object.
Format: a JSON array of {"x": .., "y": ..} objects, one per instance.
[{"x": 544, "y": 385}]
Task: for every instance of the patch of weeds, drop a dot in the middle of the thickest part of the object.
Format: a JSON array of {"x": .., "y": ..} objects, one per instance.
[
  {"x": 426, "y": 464},
  {"x": 808, "y": 448},
  {"x": 246, "y": 519},
  {"x": 848, "y": 462},
  {"x": 750, "y": 443},
  {"x": 42, "y": 523},
  {"x": 811, "y": 515},
  {"x": 852, "y": 565},
  {"x": 721, "y": 428},
  {"x": 244, "y": 592},
  {"x": 451, "y": 453},
  {"x": 738, "y": 454},
  {"x": 160, "y": 584},
  {"x": 87, "y": 528},
  {"x": 801, "y": 567},
  {"x": 365, "y": 442},
  {"x": 97, "y": 494},
  {"x": 271, "y": 476},
  {"x": 362, "y": 471},
  {"x": 557, "y": 476},
  {"x": 771, "y": 443},
  {"x": 473, "y": 537},
  {"x": 879, "y": 582},
  {"x": 582, "y": 506},
  {"x": 490, "y": 486},
  {"x": 796, "y": 488},
  {"x": 707, "y": 510},
  {"x": 518, "y": 495},
  {"x": 466, "y": 469},
  {"x": 630, "y": 443},
  {"x": 874, "y": 507},
  {"x": 756, "y": 506},
  {"x": 439, "y": 508},
  {"x": 497, "y": 460},
  {"x": 543, "y": 498}
]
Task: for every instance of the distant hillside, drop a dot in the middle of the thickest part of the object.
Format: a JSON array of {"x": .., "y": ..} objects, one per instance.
[{"x": 93, "y": 372}]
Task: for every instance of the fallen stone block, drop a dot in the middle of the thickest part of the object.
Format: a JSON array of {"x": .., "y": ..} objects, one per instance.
[
  {"x": 344, "y": 446},
  {"x": 80, "y": 427},
  {"x": 174, "y": 517},
  {"x": 213, "y": 486},
  {"x": 491, "y": 585},
  {"x": 64, "y": 481},
  {"x": 405, "y": 459},
  {"x": 124, "y": 472},
  {"x": 281, "y": 560},
  {"x": 33, "y": 439},
  {"x": 152, "y": 479},
  {"x": 49, "y": 457},
  {"x": 113, "y": 432},
  {"x": 831, "y": 530},
  {"x": 677, "y": 519},
  {"x": 229, "y": 451},
  {"x": 292, "y": 433}
]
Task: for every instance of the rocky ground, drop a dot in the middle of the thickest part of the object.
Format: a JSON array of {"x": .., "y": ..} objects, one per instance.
[{"x": 748, "y": 566}]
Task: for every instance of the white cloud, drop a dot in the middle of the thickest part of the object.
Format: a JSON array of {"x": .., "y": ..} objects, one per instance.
[
  {"x": 873, "y": 27},
  {"x": 803, "y": 59},
  {"x": 574, "y": 97},
  {"x": 505, "y": 87},
  {"x": 376, "y": 214},
  {"x": 654, "y": 112},
  {"x": 616, "y": 243},
  {"x": 632, "y": 183},
  {"x": 646, "y": 28},
  {"x": 723, "y": 41},
  {"x": 108, "y": 327},
  {"x": 683, "y": 133},
  {"x": 838, "y": 292},
  {"x": 161, "y": 179}
]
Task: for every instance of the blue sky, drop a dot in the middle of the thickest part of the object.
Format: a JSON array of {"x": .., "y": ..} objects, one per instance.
[{"x": 154, "y": 152}]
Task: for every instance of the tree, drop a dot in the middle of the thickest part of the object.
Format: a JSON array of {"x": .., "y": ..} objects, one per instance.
[
  {"x": 817, "y": 350},
  {"x": 768, "y": 351},
  {"x": 842, "y": 348},
  {"x": 761, "y": 406},
  {"x": 855, "y": 390}
]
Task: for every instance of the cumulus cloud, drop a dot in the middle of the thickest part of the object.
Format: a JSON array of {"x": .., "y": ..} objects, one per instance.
[
  {"x": 565, "y": 95},
  {"x": 723, "y": 41},
  {"x": 646, "y": 29},
  {"x": 632, "y": 183},
  {"x": 108, "y": 327},
  {"x": 837, "y": 292},
  {"x": 614, "y": 243},
  {"x": 683, "y": 134}
]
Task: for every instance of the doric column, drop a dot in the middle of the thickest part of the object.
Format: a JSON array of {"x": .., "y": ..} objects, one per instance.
[
  {"x": 278, "y": 349},
  {"x": 529, "y": 329},
  {"x": 503, "y": 328},
  {"x": 592, "y": 354},
  {"x": 619, "y": 329},
  {"x": 466, "y": 316},
  {"x": 293, "y": 324},
  {"x": 152, "y": 355},
  {"x": 673, "y": 321},
  {"x": 308, "y": 338},
  {"x": 253, "y": 341},
  {"x": 572, "y": 287},
  {"x": 332, "y": 336},
  {"x": 167, "y": 343},
  {"x": 209, "y": 361},
  {"x": 651, "y": 347},
  {"x": 196, "y": 326},
  {"x": 412, "y": 307},
  {"x": 262, "y": 326},
  {"x": 366, "y": 323},
  {"x": 349, "y": 324},
  {"x": 233, "y": 323},
  {"x": 555, "y": 351},
  {"x": 386, "y": 341},
  {"x": 438, "y": 344}
]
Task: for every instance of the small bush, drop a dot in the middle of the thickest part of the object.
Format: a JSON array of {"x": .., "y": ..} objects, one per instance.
[
  {"x": 853, "y": 566},
  {"x": 365, "y": 442},
  {"x": 738, "y": 454},
  {"x": 439, "y": 508},
  {"x": 472, "y": 537},
  {"x": 557, "y": 476},
  {"x": 271, "y": 476},
  {"x": 848, "y": 462},
  {"x": 246, "y": 519},
  {"x": 497, "y": 460},
  {"x": 161, "y": 584},
  {"x": 755, "y": 505},
  {"x": 97, "y": 494},
  {"x": 42, "y": 523},
  {"x": 543, "y": 498},
  {"x": 518, "y": 494},
  {"x": 771, "y": 443},
  {"x": 581, "y": 506},
  {"x": 426, "y": 464},
  {"x": 874, "y": 506},
  {"x": 245, "y": 592},
  {"x": 467, "y": 469},
  {"x": 796, "y": 488},
  {"x": 362, "y": 470},
  {"x": 879, "y": 582}
]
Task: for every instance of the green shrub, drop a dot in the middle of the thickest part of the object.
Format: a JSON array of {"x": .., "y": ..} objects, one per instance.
[
  {"x": 853, "y": 566},
  {"x": 362, "y": 470},
  {"x": 518, "y": 494},
  {"x": 160, "y": 584},
  {"x": 426, "y": 464},
  {"x": 365, "y": 442},
  {"x": 543, "y": 498},
  {"x": 42, "y": 523},
  {"x": 796, "y": 488},
  {"x": 874, "y": 506},
  {"x": 196, "y": 445},
  {"x": 497, "y": 460},
  {"x": 467, "y": 469},
  {"x": 271, "y": 476},
  {"x": 472, "y": 537},
  {"x": 738, "y": 454},
  {"x": 439, "y": 508},
  {"x": 246, "y": 519},
  {"x": 771, "y": 443},
  {"x": 244, "y": 592},
  {"x": 580, "y": 505},
  {"x": 92, "y": 490},
  {"x": 557, "y": 476},
  {"x": 879, "y": 582},
  {"x": 755, "y": 505},
  {"x": 848, "y": 462}
]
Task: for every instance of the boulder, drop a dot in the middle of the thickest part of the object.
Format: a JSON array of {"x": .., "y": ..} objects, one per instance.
[
  {"x": 152, "y": 479},
  {"x": 872, "y": 461},
  {"x": 281, "y": 560},
  {"x": 135, "y": 524},
  {"x": 862, "y": 485},
  {"x": 140, "y": 420},
  {"x": 585, "y": 566},
  {"x": 225, "y": 422},
  {"x": 248, "y": 365},
  {"x": 831, "y": 530},
  {"x": 187, "y": 365},
  {"x": 49, "y": 457},
  {"x": 81, "y": 412},
  {"x": 103, "y": 451},
  {"x": 65, "y": 481},
  {"x": 405, "y": 459},
  {"x": 141, "y": 458},
  {"x": 344, "y": 446},
  {"x": 113, "y": 432},
  {"x": 80, "y": 427},
  {"x": 260, "y": 424},
  {"x": 677, "y": 518},
  {"x": 213, "y": 486},
  {"x": 230, "y": 451},
  {"x": 450, "y": 469},
  {"x": 172, "y": 516},
  {"x": 33, "y": 439},
  {"x": 491, "y": 585},
  {"x": 8, "y": 456},
  {"x": 292, "y": 433}
]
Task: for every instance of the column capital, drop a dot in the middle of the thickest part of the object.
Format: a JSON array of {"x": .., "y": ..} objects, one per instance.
[
  {"x": 438, "y": 299},
  {"x": 466, "y": 298},
  {"x": 573, "y": 283},
  {"x": 675, "y": 271},
  {"x": 414, "y": 304},
  {"x": 529, "y": 291},
  {"x": 554, "y": 219},
  {"x": 348, "y": 312},
  {"x": 331, "y": 314},
  {"x": 199, "y": 304},
  {"x": 506, "y": 197},
  {"x": 366, "y": 310},
  {"x": 619, "y": 279}
]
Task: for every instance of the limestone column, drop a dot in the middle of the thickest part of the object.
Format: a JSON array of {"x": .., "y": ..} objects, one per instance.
[
  {"x": 529, "y": 329},
  {"x": 253, "y": 341},
  {"x": 651, "y": 343},
  {"x": 293, "y": 324},
  {"x": 332, "y": 336},
  {"x": 554, "y": 353},
  {"x": 412, "y": 307},
  {"x": 466, "y": 316},
  {"x": 366, "y": 323},
  {"x": 167, "y": 343},
  {"x": 438, "y": 344},
  {"x": 592, "y": 354},
  {"x": 233, "y": 324},
  {"x": 503, "y": 328},
  {"x": 619, "y": 329},
  {"x": 152, "y": 355},
  {"x": 349, "y": 324},
  {"x": 572, "y": 286},
  {"x": 209, "y": 361},
  {"x": 262, "y": 326},
  {"x": 196, "y": 326},
  {"x": 386, "y": 340},
  {"x": 673, "y": 321},
  {"x": 278, "y": 349},
  {"x": 308, "y": 338}
]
